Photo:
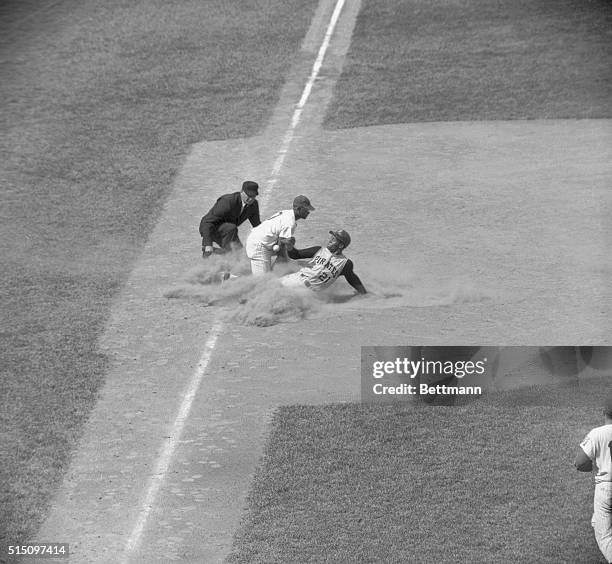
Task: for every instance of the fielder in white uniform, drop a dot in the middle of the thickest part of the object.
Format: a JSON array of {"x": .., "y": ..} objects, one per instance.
[
  {"x": 327, "y": 264},
  {"x": 595, "y": 455},
  {"x": 276, "y": 230}
]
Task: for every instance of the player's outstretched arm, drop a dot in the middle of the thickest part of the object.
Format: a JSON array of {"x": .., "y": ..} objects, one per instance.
[
  {"x": 583, "y": 463},
  {"x": 308, "y": 252},
  {"x": 352, "y": 278},
  {"x": 284, "y": 248},
  {"x": 287, "y": 242}
]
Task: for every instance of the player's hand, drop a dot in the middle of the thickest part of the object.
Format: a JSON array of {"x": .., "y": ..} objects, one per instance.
[{"x": 288, "y": 243}]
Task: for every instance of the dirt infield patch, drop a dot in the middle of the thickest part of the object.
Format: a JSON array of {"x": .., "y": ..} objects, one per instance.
[
  {"x": 512, "y": 210},
  {"x": 510, "y": 217}
]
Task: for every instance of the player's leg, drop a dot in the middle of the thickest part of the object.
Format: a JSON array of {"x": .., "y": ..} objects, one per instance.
[
  {"x": 260, "y": 267},
  {"x": 261, "y": 259},
  {"x": 226, "y": 236},
  {"x": 293, "y": 280},
  {"x": 602, "y": 518}
]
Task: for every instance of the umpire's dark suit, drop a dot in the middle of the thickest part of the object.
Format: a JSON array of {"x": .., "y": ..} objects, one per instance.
[{"x": 221, "y": 223}]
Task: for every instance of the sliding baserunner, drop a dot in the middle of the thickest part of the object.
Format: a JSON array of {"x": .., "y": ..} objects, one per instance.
[{"x": 326, "y": 265}]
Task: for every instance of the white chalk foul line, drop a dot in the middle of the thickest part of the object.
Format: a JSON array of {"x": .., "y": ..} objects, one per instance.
[
  {"x": 167, "y": 452},
  {"x": 165, "y": 457},
  {"x": 297, "y": 113}
]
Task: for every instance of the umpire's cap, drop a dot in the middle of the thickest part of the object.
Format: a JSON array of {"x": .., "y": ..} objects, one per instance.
[
  {"x": 342, "y": 236},
  {"x": 302, "y": 202},
  {"x": 250, "y": 188}
]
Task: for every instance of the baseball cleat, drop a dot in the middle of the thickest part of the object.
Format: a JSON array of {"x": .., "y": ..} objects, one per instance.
[{"x": 226, "y": 275}]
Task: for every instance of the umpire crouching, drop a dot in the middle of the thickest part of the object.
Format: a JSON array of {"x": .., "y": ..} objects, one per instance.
[{"x": 220, "y": 224}]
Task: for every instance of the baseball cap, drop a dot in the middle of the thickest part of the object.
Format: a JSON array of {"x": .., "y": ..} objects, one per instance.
[
  {"x": 302, "y": 202},
  {"x": 342, "y": 236},
  {"x": 250, "y": 188}
]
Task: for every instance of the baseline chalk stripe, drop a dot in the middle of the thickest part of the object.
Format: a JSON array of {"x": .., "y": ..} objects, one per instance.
[
  {"x": 297, "y": 113},
  {"x": 165, "y": 457},
  {"x": 167, "y": 451}
]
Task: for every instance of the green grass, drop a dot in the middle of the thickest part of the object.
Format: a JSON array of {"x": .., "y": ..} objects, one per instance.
[
  {"x": 423, "y": 60},
  {"x": 490, "y": 482},
  {"x": 100, "y": 104}
]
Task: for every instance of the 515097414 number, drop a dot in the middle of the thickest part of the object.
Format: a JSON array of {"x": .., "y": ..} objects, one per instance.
[{"x": 38, "y": 549}]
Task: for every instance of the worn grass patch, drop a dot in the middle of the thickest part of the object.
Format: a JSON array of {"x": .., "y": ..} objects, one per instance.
[
  {"x": 490, "y": 482},
  {"x": 100, "y": 103},
  {"x": 421, "y": 60}
]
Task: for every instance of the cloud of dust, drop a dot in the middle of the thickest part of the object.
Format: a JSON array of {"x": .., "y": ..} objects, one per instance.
[
  {"x": 272, "y": 303},
  {"x": 399, "y": 285},
  {"x": 263, "y": 301},
  {"x": 248, "y": 300}
]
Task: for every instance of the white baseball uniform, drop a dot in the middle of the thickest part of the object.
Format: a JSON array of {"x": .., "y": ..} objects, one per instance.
[
  {"x": 322, "y": 271},
  {"x": 597, "y": 445},
  {"x": 262, "y": 238}
]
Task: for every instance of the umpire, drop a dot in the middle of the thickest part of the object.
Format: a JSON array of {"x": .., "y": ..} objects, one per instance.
[{"x": 220, "y": 224}]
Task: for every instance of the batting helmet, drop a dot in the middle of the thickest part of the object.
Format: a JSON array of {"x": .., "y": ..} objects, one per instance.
[{"x": 342, "y": 236}]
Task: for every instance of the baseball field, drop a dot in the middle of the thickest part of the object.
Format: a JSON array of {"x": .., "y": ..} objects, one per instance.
[{"x": 147, "y": 416}]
